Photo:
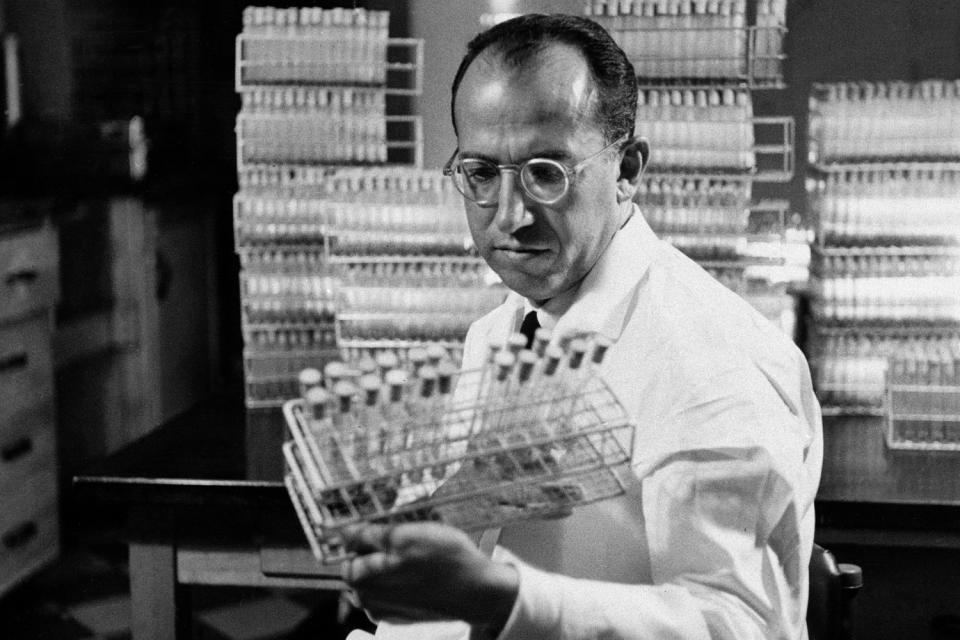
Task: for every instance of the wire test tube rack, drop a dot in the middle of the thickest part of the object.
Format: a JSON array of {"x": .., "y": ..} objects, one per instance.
[{"x": 525, "y": 436}]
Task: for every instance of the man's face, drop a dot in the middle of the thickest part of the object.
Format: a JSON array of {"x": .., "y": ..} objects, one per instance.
[{"x": 543, "y": 109}]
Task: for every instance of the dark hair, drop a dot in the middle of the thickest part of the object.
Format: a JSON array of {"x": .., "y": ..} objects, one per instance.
[{"x": 517, "y": 40}]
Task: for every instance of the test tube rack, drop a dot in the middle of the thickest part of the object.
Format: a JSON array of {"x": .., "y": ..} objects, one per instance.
[
  {"x": 923, "y": 417},
  {"x": 519, "y": 438},
  {"x": 697, "y": 41}
]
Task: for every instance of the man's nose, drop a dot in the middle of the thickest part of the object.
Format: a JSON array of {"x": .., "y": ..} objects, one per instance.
[{"x": 512, "y": 213}]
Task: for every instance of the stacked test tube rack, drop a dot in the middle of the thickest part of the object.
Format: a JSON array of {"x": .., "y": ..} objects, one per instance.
[
  {"x": 333, "y": 203},
  {"x": 883, "y": 185},
  {"x": 531, "y": 434}
]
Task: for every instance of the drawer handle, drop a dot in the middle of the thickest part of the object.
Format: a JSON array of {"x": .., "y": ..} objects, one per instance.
[
  {"x": 20, "y": 535},
  {"x": 16, "y": 361},
  {"x": 25, "y": 276},
  {"x": 18, "y": 449}
]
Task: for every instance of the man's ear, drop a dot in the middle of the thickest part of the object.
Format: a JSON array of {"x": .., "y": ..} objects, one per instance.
[{"x": 634, "y": 161}]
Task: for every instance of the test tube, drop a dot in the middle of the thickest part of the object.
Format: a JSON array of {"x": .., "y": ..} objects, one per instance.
[{"x": 307, "y": 379}]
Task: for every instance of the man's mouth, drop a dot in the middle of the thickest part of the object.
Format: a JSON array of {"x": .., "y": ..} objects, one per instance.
[
  {"x": 519, "y": 253},
  {"x": 514, "y": 248}
]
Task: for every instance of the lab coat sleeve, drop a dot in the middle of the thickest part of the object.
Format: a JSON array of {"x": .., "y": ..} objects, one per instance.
[
  {"x": 723, "y": 526},
  {"x": 712, "y": 575}
]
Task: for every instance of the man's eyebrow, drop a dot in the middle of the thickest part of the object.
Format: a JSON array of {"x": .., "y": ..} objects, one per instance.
[{"x": 552, "y": 154}]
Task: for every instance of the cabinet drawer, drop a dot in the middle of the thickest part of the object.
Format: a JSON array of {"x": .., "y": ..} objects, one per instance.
[
  {"x": 27, "y": 447},
  {"x": 26, "y": 367},
  {"x": 29, "y": 533},
  {"x": 28, "y": 272}
]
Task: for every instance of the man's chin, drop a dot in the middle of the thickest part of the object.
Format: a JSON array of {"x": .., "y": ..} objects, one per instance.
[{"x": 530, "y": 286}]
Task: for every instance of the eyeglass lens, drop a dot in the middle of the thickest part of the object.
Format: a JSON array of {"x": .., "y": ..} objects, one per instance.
[{"x": 543, "y": 179}]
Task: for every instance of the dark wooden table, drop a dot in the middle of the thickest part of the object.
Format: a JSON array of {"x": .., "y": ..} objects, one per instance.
[
  {"x": 204, "y": 504},
  {"x": 870, "y": 494}
]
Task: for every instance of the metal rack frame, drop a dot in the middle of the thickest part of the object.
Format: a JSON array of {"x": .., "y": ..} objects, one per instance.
[
  {"x": 908, "y": 409},
  {"x": 413, "y": 142},
  {"x": 779, "y": 153},
  {"x": 750, "y": 64},
  {"x": 480, "y": 459},
  {"x": 412, "y": 45}
]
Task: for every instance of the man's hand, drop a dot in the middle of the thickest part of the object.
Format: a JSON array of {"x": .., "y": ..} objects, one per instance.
[{"x": 425, "y": 571}]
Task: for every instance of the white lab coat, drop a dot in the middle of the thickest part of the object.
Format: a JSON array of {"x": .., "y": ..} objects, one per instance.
[{"x": 713, "y": 538}]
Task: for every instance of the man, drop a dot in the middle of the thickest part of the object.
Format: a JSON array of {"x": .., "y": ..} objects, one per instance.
[{"x": 714, "y": 537}]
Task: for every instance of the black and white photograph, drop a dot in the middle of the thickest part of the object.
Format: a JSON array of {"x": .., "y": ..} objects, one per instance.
[{"x": 480, "y": 320}]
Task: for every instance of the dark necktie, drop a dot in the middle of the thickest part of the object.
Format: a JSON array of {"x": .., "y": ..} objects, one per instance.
[{"x": 529, "y": 326}]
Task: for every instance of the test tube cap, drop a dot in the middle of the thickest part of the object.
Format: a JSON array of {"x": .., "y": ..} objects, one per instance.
[
  {"x": 417, "y": 355},
  {"x": 541, "y": 338},
  {"x": 366, "y": 365},
  {"x": 436, "y": 353},
  {"x": 504, "y": 361},
  {"x": 334, "y": 370},
  {"x": 396, "y": 377},
  {"x": 387, "y": 360},
  {"x": 317, "y": 395},
  {"x": 516, "y": 342},
  {"x": 344, "y": 389},
  {"x": 370, "y": 382},
  {"x": 317, "y": 399},
  {"x": 309, "y": 377},
  {"x": 553, "y": 355}
]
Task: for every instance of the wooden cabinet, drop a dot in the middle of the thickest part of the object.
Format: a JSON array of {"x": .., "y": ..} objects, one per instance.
[{"x": 29, "y": 534}]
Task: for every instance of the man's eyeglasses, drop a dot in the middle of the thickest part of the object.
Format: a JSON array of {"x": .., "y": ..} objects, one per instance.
[{"x": 543, "y": 180}]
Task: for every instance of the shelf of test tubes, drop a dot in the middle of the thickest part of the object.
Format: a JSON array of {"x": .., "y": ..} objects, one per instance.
[
  {"x": 314, "y": 85},
  {"x": 883, "y": 185},
  {"x": 923, "y": 404},
  {"x": 698, "y": 41},
  {"x": 869, "y": 122},
  {"x": 913, "y": 382},
  {"x": 362, "y": 260},
  {"x": 850, "y": 368},
  {"x": 531, "y": 434},
  {"x": 890, "y": 203},
  {"x": 712, "y": 132}
]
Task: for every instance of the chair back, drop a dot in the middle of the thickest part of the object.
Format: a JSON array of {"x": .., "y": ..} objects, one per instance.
[{"x": 833, "y": 587}]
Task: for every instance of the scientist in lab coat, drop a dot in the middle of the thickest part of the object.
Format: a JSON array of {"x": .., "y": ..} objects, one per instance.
[{"x": 713, "y": 537}]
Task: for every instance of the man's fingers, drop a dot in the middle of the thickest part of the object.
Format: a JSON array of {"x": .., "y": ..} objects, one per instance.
[
  {"x": 358, "y": 569},
  {"x": 367, "y": 538}
]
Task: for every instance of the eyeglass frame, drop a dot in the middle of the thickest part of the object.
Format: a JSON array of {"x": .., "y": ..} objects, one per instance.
[{"x": 568, "y": 172}]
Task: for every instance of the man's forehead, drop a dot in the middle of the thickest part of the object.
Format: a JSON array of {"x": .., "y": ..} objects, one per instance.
[{"x": 553, "y": 81}]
